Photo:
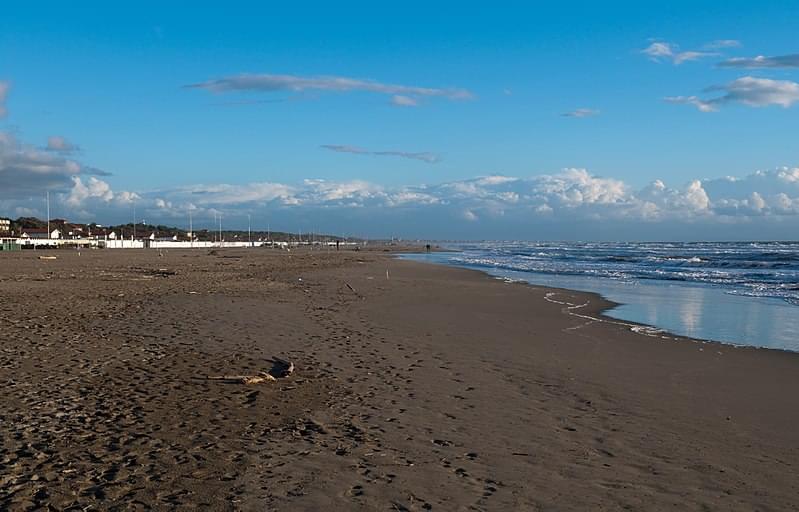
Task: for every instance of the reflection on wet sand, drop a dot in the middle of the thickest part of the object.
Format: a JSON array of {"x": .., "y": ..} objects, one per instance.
[{"x": 688, "y": 309}]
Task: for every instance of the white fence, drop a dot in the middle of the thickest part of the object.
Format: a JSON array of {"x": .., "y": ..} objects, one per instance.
[
  {"x": 169, "y": 244},
  {"x": 163, "y": 244}
]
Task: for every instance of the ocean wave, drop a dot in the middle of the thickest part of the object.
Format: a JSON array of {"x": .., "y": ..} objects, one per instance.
[{"x": 761, "y": 269}]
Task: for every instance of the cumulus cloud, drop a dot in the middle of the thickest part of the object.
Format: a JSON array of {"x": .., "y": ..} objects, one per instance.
[
  {"x": 92, "y": 189},
  {"x": 568, "y": 194},
  {"x": 662, "y": 51},
  {"x": 88, "y": 197},
  {"x": 470, "y": 215},
  {"x": 748, "y": 90},
  {"x": 430, "y": 158},
  {"x": 577, "y": 187},
  {"x": 26, "y": 170},
  {"x": 581, "y": 112},
  {"x": 4, "y": 87},
  {"x": 60, "y": 144},
  {"x": 762, "y": 62},
  {"x": 402, "y": 95}
]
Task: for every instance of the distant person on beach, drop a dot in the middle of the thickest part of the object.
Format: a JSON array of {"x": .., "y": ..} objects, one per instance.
[
  {"x": 337, "y": 242},
  {"x": 427, "y": 247}
]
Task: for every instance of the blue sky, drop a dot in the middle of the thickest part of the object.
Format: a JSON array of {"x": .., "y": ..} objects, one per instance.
[{"x": 408, "y": 101}]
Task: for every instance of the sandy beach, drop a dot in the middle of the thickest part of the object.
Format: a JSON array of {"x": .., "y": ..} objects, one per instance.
[{"x": 416, "y": 387}]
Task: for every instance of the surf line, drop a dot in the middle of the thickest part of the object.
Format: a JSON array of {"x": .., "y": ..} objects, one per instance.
[{"x": 570, "y": 309}]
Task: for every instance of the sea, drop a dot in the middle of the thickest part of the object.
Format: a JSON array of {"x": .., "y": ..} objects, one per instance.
[{"x": 738, "y": 293}]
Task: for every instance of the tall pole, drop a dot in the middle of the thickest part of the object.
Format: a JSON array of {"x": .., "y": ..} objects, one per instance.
[
  {"x": 134, "y": 220},
  {"x": 191, "y": 231},
  {"x": 249, "y": 229},
  {"x": 220, "y": 230},
  {"x": 48, "y": 214}
]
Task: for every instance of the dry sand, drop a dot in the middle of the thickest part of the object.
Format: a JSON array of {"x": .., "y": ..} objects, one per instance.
[{"x": 420, "y": 387}]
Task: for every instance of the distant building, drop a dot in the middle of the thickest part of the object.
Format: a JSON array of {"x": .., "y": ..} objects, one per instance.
[
  {"x": 105, "y": 233},
  {"x": 74, "y": 230},
  {"x": 41, "y": 234},
  {"x": 5, "y": 225}
]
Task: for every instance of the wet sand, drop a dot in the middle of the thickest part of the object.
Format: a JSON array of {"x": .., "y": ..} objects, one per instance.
[{"x": 416, "y": 387}]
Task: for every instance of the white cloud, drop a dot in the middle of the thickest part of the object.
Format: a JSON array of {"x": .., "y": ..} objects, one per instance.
[
  {"x": 470, "y": 215},
  {"x": 570, "y": 197},
  {"x": 576, "y": 187},
  {"x": 225, "y": 194},
  {"x": 92, "y": 189},
  {"x": 60, "y": 144},
  {"x": 762, "y": 62},
  {"x": 403, "y": 95},
  {"x": 26, "y": 170},
  {"x": 581, "y": 112},
  {"x": 4, "y": 87},
  {"x": 350, "y": 193},
  {"x": 659, "y": 51},
  {"x": 407, "y": 197},
  {"x": 495, "y": 180},
  {"x": 430, "y": 158},
  {"x": 749, "y": 91},
  {"x": 722, "y": 43},
  {"x": 681, "y": 57},
  {"x": 703, "y": 106},
  {"x": 404, "y": 101}
]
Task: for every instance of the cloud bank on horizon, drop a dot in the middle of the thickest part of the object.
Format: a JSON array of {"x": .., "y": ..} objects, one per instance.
[{"x": 475, "y": 205}]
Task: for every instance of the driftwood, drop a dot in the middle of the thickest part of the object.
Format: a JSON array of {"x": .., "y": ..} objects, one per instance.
[
  {"x": 245, "y": 379},
  {"x": 48, "y": 257},
  {"x": 280, "y": 370}
]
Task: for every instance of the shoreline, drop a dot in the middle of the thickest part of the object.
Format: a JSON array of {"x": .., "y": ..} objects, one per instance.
[
  {"x": 607, "y": 305},
  {"x": 416, "y": 387}
]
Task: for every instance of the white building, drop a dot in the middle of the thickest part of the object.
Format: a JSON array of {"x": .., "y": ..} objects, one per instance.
[{"x": 41, "y": 234}]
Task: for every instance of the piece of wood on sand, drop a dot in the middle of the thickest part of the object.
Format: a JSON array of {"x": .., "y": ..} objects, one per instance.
[{"x": 280, "y": 370}]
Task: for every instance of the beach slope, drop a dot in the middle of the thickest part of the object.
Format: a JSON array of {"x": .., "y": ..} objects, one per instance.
[{"x": 416, "y": 387}]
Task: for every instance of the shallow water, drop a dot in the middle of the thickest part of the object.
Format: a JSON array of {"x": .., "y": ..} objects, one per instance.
[{"x": 742, "y": 294}]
